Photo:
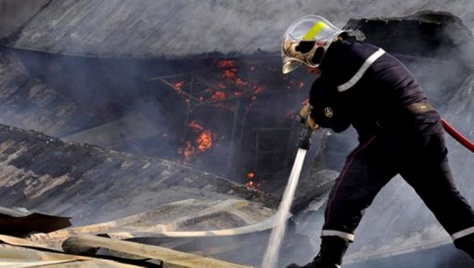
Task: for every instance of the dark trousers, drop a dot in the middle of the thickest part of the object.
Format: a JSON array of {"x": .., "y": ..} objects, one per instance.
[{"x": 421, "y": 161}]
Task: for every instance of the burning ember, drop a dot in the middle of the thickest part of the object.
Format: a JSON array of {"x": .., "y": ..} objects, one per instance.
[
  {"x": 229, "y": 74},
  {"x": 240, "y": 82},
  {"x": 251, "y": 175},
  {"x": 195, "y": 126},
  {"x": 226, "y": 63},
  {"x": 219, "y": 95},
  {"x": 251, "y": 183},
  {"x": 188, "y": 151},
  {"x": 179, "y": 87}
]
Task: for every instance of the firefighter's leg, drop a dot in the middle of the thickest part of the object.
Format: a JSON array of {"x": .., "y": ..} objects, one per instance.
[
  {"x": 367, "y": 169},
  {"x": 429, "y": 174},
  {"x": 466, "y": 243}
]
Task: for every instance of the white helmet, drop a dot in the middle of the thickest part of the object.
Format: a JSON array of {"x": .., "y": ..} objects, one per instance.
[{"x": 306, "y": 41}]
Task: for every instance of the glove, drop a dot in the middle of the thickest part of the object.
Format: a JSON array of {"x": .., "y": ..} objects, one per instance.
[{"x": 305, "y": 112}]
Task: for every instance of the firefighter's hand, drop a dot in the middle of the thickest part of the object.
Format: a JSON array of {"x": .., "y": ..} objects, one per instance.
[{"x": 305, "y": 112}]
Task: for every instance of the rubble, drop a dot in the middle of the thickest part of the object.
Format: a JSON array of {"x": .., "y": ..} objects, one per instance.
[
  {"x": 20, "y": 222},
  {"x": 120, "y": 200}
]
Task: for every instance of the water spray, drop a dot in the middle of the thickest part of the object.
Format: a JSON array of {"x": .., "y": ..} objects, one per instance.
[{"x": 304, "y": 143}]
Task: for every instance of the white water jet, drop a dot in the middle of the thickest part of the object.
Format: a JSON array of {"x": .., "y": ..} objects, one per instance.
[{"x": 271, "y": 255}]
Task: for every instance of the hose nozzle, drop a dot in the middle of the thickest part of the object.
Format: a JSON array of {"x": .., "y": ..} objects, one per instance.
[{"x": 304, "y": 141}]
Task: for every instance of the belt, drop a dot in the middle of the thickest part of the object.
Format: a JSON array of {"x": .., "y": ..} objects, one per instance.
[{"x": 412, "y": 108}]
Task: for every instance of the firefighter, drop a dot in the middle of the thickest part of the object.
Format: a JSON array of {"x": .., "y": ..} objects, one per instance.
[{"x": 399, "y": 132}]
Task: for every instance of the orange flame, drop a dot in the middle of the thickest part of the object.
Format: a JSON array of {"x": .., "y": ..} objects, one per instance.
[
  {"x": 251, "y": 183},
  {"x": 195, "y": 126},
  {"x": 179, "y": 85},
  {"x": 228, "y": 74},
  {"x": 221, "y": 85},
  {"x": 219, "y": 95},
  {"x": 258, "y": 90},
  {"x": 239, "y": 93},
  {"x": 250, "y": 175},
  {"x": 201, "y": 144},
  {"x": 225, "y": 63},
  {"x": 240, "y": 82},
  {"x": 204, "y": 141},
  {"x": 188, "y": 152}
]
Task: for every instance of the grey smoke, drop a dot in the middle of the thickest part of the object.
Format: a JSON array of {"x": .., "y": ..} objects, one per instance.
[{"x": 182, "y": 28}]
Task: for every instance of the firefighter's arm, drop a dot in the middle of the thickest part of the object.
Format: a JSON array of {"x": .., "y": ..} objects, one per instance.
[{"x": 305, "y": 112}]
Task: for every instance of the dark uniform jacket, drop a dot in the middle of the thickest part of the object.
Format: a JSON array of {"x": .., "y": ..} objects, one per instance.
[{"x": 363, "y": 86}]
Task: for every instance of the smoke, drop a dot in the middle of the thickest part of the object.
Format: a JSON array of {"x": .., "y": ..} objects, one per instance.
[
  {"x": 182, "y": 28},
  {"x": 246, "y": 27},
  {"x": 113, "y": 89}
]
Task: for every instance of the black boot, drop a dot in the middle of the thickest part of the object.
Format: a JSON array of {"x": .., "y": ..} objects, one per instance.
[
  {"x": 466, "y": 244},
  {"x": 330, "y": 254}
]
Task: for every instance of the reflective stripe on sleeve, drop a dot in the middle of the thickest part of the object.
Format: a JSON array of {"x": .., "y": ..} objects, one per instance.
[
  {"x": 463, "y": 233},
  {"x": 361, "y": 71},
  {"x": 347, "y": 236}
]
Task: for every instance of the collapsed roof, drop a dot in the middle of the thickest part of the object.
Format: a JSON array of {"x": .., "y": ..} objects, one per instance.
[
  {"x": 179, "y": 28},
  {"x": 51, "y": 175}
]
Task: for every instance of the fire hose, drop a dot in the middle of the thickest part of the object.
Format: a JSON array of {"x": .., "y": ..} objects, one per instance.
[{"x": 457, "y": 136}]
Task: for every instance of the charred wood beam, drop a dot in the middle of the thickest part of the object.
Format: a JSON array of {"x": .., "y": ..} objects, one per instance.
[{"x": 89, "y": 245}]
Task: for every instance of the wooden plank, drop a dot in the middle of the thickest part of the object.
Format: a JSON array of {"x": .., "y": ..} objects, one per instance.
[
  {"x": 18, "y": 256},
  {"x": 87, "y": 244},
  {"x": 16, "y": 241}
]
